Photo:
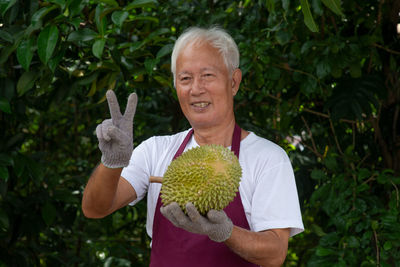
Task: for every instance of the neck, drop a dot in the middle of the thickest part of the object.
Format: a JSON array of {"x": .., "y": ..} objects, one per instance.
[{"x": 218, "y": 135}]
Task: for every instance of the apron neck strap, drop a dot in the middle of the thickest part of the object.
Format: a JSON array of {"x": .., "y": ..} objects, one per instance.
[{"x": 235, "y": 147}]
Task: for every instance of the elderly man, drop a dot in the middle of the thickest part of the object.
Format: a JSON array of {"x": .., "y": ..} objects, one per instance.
[{"x": 255, "y": 227}]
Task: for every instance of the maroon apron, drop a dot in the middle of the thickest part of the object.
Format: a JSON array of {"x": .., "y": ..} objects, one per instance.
[{"x": 175, "y": 247}]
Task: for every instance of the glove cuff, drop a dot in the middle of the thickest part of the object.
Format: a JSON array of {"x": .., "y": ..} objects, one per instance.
[
  {"x": 115, "y": 160},
  {"x": 223, "y": 234}
]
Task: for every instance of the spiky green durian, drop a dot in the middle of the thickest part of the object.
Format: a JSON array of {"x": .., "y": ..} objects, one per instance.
[{"x": 208, "y": 176}]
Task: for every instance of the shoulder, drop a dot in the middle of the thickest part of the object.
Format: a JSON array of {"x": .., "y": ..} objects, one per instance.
[
  {"x": 153, "y": 153},
  {"x": 256, "y": 147},
  {"x": 164, "y": 141}
]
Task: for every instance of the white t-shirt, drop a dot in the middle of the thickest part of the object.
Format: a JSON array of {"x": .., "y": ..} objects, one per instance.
[{"x": 267, "y": 188}]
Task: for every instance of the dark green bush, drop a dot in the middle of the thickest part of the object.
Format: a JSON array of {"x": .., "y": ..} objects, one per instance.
[{"x": 322, "y": 70}]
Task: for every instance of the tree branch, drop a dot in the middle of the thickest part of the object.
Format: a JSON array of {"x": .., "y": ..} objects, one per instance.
[
  {"x": 397, "y": 193},
  {"x": 314, "y": 147},
  {"x": 387, "y": 156},
  {"x": 386, "y": 49},
  {"x": 394, "y": 124},
  {"x": 326, "y": 115},
  {"x": 286, "y": 66},
  {"x": 377, "y": 248},
  {"x": 334, "y": 136}
]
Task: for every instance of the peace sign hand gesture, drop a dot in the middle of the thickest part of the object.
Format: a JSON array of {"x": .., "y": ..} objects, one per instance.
[{"x": 115, "y": 134}]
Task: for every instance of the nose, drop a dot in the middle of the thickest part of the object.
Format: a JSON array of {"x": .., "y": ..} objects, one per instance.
[{"x": 197, "y": 86}]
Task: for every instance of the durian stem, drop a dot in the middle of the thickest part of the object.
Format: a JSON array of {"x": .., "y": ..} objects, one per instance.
[{"x": 155, "y": 179}]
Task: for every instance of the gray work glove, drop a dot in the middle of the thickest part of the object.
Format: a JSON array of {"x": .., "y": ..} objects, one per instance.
[
  {"x": 115, "y": 135},
  {"x": 217, "y": 225}
]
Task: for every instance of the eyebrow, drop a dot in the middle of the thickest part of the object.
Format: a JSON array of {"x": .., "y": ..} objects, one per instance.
[{"x": 183, "y": 72}]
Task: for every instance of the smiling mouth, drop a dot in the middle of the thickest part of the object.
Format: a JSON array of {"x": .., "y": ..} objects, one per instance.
[{"x": 201, "y": 104}]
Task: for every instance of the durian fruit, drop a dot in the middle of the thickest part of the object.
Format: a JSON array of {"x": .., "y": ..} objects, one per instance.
[{"x": 208, "y": 176}]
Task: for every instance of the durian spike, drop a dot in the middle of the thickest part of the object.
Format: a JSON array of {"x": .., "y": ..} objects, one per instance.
[{"x": 155, "y": 179}]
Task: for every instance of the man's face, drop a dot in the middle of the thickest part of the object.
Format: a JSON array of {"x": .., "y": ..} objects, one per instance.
[{"x": 204, "y": 87}]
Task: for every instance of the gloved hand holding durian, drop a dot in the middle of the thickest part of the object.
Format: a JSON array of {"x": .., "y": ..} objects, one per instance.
[
  {"x": 216, "y": 225},
  {"x": 115, "y": 135},
  {"x": 201, "y": 183}
]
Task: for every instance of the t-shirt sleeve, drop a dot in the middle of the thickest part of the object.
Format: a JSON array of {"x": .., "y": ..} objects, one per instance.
[
  {"x": 275, "y": 199},
  {"x": 138, "y": 171}
]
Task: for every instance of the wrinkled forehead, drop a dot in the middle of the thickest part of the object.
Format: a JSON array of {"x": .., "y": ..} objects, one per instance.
[{"x": 200, "y": 56}]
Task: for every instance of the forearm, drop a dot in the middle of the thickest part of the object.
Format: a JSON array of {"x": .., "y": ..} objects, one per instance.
[
  {"x": 266, "y": 248},
  {"x": 100, "y": 192}
]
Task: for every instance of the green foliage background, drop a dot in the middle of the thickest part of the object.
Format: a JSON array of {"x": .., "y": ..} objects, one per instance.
[{"x": 324, "y": 71}]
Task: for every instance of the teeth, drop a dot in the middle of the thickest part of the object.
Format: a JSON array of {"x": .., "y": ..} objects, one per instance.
[{"x": 200, "y": 105}]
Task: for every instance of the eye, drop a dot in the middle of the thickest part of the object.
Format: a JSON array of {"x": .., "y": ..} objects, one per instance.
[
  {"x": 208, "y": 75},
  {"x": 184, "y": 78}
]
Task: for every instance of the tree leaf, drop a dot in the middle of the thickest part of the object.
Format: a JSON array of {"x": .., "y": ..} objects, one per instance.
[
  {"x": 6, "y": 36},
  {"x": 317, "y": 230},
  {"x": 357, "y": 110},
  {"x": 150, "y": 64},
  {"x": 158, "y": 32},
  {"x": 19, "y": 165},
  {"x": 140, "y": 3},
  {"x": 353, "y": 242},
  {"x": 323, "y": 68},
  {"x": 6, "y": 5},
  {"x": 307, "y": 46},
  {"x": 308, "y": 19},
  {"x": 317, "y": 7},
  {"x": 5, "y": 105},
  {"x": 163, "y": 81},
  {"x": 355, "y": 70},
  {"x": 387, "y": 246},
  {"x": 317, "y": 174},
  {"x": 109, "y": 2},
  {"x": 98, "y": 47},
  {"x": 25, "y": 53},
  {"x": 47, "y": 42},
  {"x": 6, "y": 52},
  {"x": 26, "y": 82},
  {"x": 35, "y": 169},
  {"x": 144, "y": 18},
  {"x": 75, "y": 7},
  {"x": 3, "y": 173},
  {"x": 54, "y": 61},
  {"x": 49, "y": 213},
  {"x": 283, "y": 37},
  {"x": 273, "y": 73},
  {"x": 322, "y": 252},
  {"x": 330, "y": 162},
  {"x": 88, "y": 78},
  {"x": 286, "y": 5},
  {"x": 333, "y": 5},
  {"x": 6, "y": 160},
  {"x": 101, "y": 20},
  {"x": 61, "y": 3},
  {"x": 270, "y": 5},
  {"x": 38, "y": 15},
  {"x": 93, "y": 89},
  {"x": 165, "y": 50},
  {"x": 118, "y": 17},
  {"x": 83, "y": 35},
  {"x": 4, "y": 221}
]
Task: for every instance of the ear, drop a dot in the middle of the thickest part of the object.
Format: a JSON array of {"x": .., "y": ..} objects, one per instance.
[{"x": 236, "y": 79}]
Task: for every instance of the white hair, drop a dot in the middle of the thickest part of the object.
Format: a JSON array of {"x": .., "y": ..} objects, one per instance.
[{"x": 216, "y": 37}]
